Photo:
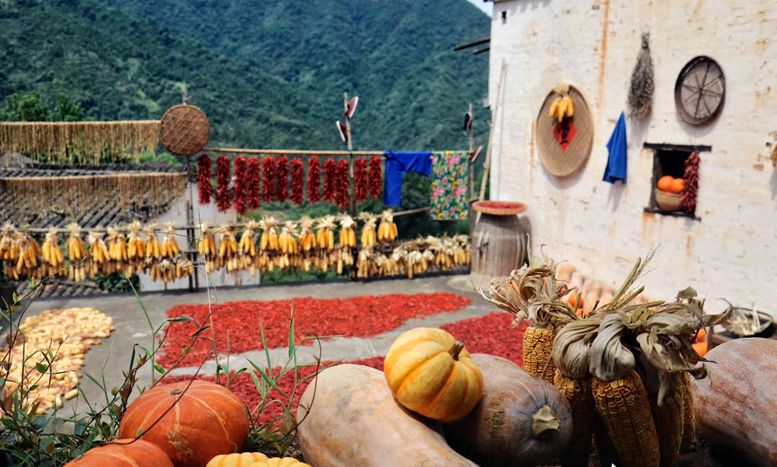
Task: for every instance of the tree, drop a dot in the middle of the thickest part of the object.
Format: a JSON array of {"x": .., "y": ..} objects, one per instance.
[
  {"x": 66, "y": 110},
  {"x": 25, "y": 107}
]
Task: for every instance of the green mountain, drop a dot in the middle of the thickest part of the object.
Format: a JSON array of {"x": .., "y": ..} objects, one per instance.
[{"x": 267, "y": 73}]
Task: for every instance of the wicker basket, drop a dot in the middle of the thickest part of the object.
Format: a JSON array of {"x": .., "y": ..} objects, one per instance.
[
  {"x": 668, "y": 201},
  {"x": 499, "y": 208},
  {"x": 185, "y": 130},
  {"x": 556, "y": 161}
]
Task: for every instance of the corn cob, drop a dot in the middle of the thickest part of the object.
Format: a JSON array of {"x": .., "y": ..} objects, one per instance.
[
  {"x": 52, "y": 254},
  {"x": 625, "y": 411},
  {"x": 170, "y": 246},
  {"x": 247, "y": 247},
  {"x": 668, "y": 418},
  {"x": 117, "y": 245},
  {"x": 368, "y": 236},
  {"x": 537, "y": 349},
  {"x": 307, "y": 241},
  {"x": 325, "y": 236},
  {"x": 581, "y": 402},
  {"x": 153, "y": 249},
  {"x": 76, "y": 250},
  {"x": 689, "y": 417},
  {"x": 387, "y": 229},
  {"x": 8, "y": 248},
  {"x": 136, "y": 247},
  {"x": 605, "y": 451},
  {"x": 207, "y": 244}
]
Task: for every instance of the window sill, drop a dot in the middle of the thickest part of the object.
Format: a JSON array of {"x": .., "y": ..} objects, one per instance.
[{"x": 672, "y": 213}]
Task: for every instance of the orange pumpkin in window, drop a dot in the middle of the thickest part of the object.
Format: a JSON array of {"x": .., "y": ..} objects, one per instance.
[
  {"x": 665, "y": 182},
  {"x": 677, "y": 185}
]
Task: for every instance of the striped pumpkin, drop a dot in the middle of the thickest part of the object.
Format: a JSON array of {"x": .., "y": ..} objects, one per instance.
[
  {"x": 207, "y": 420},
  {"x": 123, "y": 453}
]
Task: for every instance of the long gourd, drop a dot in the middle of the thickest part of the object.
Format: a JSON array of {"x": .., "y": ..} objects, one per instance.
[
  {"x": 519, "y": 421},
  {"x": 354, "y": 420}
]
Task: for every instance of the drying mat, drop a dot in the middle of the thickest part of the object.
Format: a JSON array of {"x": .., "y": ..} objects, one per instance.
[
  {"x": 185, "y": 130},
  {"x": 557, "y": 161}
]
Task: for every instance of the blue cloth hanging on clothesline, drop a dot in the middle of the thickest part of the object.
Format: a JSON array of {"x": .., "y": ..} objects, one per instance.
[
  {"x": 617, "y": 148},
  {"x": 397, "y": 164}
]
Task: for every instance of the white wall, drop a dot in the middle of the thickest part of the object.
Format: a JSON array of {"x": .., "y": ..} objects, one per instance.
[
  {"x": 210, "y": 214},
  {"x": 601, "y": 228}
]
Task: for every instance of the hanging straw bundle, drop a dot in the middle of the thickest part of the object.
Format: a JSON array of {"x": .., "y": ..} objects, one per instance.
[
  {"x": 80, "y": 142},
  {"x": 642, "y": 85}
]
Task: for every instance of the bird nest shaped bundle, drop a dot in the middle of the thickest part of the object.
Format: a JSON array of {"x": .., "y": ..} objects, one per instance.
[{"x": 185, "y": 130}]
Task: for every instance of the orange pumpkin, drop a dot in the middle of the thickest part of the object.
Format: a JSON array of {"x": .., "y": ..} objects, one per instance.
[
  {"x": 677, "y": 185},
  {"x": 280, "y": 462},
  {"x": 207, "y": 420},
  {"x": 431, "y": 373},
  {"x": 665, "y": 182},
  {"x": 243, "y": 459},
  {"x": 123, "y": 453}
]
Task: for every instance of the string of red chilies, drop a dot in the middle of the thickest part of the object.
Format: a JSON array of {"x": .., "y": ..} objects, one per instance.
[{"x": 269, "y": 180}]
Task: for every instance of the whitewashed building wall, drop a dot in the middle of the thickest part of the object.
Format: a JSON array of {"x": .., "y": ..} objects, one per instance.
[{"x": 601, "y": 228}]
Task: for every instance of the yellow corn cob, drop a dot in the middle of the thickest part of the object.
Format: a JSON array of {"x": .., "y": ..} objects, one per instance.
[
  {"x": 136, "y": 247},
  {"x": 689, "y": 417},
  {"x": 170, "y": 246},
  {"x": 581, "y": 402},
  {"x": 624, "y": 409},
  {"x": 668, "y": 418},
  {"x": 52, "y": 254},
  {"x": 537, "y": 347},
  {"x": 246, "y": 246},
  {"x": 76, "y": 250},
  {"x": 553, "y": 110},
  {"x": 570, "y": 107}
]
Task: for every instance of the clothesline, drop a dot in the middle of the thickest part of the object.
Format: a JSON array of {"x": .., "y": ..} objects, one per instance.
[{"x": 308, "y": 152}]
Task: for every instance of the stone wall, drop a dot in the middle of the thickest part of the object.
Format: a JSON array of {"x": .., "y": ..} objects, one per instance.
[{"x": 593, "y": 44}]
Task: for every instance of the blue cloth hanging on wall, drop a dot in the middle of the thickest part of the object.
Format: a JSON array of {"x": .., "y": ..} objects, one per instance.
[
  {"x": 397, "y": 164},
  {"x": 616, "y": 146}
]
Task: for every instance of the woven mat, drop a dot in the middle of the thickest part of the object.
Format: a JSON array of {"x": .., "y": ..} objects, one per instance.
[
  {"x": 555, "y": 160},
  {"x": 185, "y": 130}
]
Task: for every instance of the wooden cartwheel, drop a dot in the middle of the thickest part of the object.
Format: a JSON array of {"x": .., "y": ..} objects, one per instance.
[
  {"x": 499, "y": 239},
  {"x": 185, "y": 130},
  {"x": 557, "y": 161}
]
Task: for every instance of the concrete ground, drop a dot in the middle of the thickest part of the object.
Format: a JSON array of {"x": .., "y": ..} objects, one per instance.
[{"x": 107, "y": 361}]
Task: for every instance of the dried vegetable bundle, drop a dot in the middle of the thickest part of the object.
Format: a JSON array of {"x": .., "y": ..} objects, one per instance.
[
  {"x": 642, "y": 84},
  {"x": 80, "y": 142},
  {"x": 360, "y": 179},
  {"x": 297, "y": 182},
  {"x": 387, "y": 229},
  {"x": 330, "y": 180},
  {"x": 252, "y": 180},
  {"x": 268, "y": 179},
  {"x": 347, "y": 242},
  {"x": 204, "y": 184},
  {"x": 376, "y": 177},
  {"x": 314, "y": 180},
  {"x": 341, "y": 184},
  {"x": 691, "y": 177},
  {"x": 242, "y": 190},
  {"x": 282, "y": 179},
  {"x": 223, "y": 197}
]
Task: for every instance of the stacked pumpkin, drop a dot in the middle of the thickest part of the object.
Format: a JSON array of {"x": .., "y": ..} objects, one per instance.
[
  {"x": 434, "y": 404},
  {"x": 669, "y": 193},
  {"x": 185, "y": 424}
]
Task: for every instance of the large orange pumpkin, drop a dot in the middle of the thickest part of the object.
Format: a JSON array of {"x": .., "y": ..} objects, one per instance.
[
  {"x": 665, "y": 183},
  {"x": 431, "y": 373},
  {"x": 206, "y": 421},
  {"x": 123, "y": 453}
]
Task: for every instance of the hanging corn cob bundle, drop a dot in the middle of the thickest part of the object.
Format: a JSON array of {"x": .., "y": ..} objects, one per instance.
[
  {"x": 269, "y": 245},
  {"x": 76, "y": 253},
  {"x": 170, "y": 248},
  {"x": 117, "y": 247},
  {"x": 387, "y": 230},
  {"x": 246, "y": 248},
  {"x": 52, "y": 254},
  {"x": 153, "y": 247},
  {"x": 461, "y": 250},
  {"x": 228, "y": 248},
  {"x": 9, "y": 249},
  {"x": 307, "y": 243},
  {"x": 27, "y": 260},
  {"x": 98, "y": 253},
  {"x": 288, "y": 246},
  {"x": 136, "y": 247},
  {"x": 367, "y": 263},
  {"x": 325, "y": 239},
  {"x": 346, "y": 243},
  {"x": 206, "y": 247},
  {"x": 368, "y": 234}
]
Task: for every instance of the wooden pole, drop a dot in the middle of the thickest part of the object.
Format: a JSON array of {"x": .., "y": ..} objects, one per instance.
[{"x": 487, "y": 164}]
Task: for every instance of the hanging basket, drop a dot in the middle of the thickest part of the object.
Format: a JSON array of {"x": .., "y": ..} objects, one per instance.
[
  {"x": 185, "y": 130},
  {"x": 499, "y": 208},
  {"x": 556, "y": 160}
]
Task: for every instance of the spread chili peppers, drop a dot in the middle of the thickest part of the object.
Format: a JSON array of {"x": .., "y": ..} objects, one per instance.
[
  {"x": 222, "y": 183},
  {"x": 203, "y": 179}
]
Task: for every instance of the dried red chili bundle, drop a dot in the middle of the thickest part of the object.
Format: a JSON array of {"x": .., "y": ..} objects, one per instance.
[
  {"x": 223, "y": 200},
  {"x": 330, "y": 180},
  {"x": 341, "y": 196},
  {"x": 691, "y": 183},
  {"x": 376, "y": 177},
  {"x": 297, "y": 182},
  {"x": 254, "y": 198},
  {"x": 204, "y": 183},
  {"x": 282, "y": 178},
  {"x": 241, "y": 185},
  {"x": 314, "y": 179},
  {"x": 268, "y": 179},
  {"x": 360, "y": 179}
]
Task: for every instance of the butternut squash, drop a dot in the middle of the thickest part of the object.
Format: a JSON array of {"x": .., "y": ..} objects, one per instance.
[
  {"x": 354, "y": 420},
  {"x": 519, "y": 421},
  {"x": 736, "y": 403}
]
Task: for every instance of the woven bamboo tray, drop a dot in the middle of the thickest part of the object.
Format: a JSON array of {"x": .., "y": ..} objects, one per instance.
[
  {"x": 185, "y": 130},
  {"x": 555, "y": 160},
  {"x": 499, "y": 208}
]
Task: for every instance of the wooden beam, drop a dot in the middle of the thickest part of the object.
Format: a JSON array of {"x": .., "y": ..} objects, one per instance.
[{"x": 484, "y": 40}]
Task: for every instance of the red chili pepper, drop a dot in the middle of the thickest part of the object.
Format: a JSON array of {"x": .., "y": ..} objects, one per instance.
[
  {"x": 376, "y": 177},
  {"x": 241, "y": 185},
  {"x": 314, "y": 180},
  {"x": 297, "y": 182},
  {"x": 282, "y": 178},
  {"x": 254, "y": 198},
  {"x": 268, "y": 179},
  {"x": 360, "y": 179},
  {"x": 223, "y": 198},
  {"x": 342, "y": 184},
  {"x": 204, "y": 183},
  {"x": 330, "y": 180}
]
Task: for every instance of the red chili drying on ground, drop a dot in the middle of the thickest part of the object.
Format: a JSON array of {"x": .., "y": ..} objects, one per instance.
[
  {"x": 223, "y": 200},
  {"x": 314, "y": 180},
  {"x": 360, "y": 179},
  {"x": 241, "y": 185},
  {"x": 254, "y": 198},
  {"x": 330, "y": 180},
  {"x": 268, "y": 179},
  {"x": 491, "y": 334},
  {"x": 282, "y": 178},
  {"x": 204, "y": 184},
  {"x": 236, "y": 325},
  {"x": 297, "y": 182},
  {"x": 341, "y": 195},
  {"x": 376, "y": 177}
]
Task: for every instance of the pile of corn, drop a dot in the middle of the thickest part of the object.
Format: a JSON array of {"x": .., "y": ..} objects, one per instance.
[
  {"x": 624, "y": 369},
  {"x": 415, "y": 257},
  {"x": 46, "y": 359}
]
